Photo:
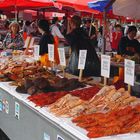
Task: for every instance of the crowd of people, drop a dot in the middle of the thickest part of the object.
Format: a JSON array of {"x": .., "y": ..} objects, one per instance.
[{"x": 78, "y": 35}]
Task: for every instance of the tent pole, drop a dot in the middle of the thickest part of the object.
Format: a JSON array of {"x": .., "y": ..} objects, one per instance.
[
  {"x": 104, "y": 28},
  {"x": 91, "y": 24}
]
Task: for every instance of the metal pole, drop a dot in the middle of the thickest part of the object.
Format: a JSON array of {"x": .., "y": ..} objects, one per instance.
[
  {"x": 91, "y": 24},
  {"x": 104, "y": 29}
]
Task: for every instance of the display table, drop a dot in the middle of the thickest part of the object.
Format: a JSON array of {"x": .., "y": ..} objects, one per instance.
[{"x": 37, "y": 123}]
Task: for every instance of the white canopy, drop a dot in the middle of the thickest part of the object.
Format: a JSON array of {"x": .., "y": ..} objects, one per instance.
[{"x": 127, "y": 8}]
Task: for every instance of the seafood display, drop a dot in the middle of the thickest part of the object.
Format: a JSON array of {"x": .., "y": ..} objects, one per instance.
[{"x": 118, "y": 121}]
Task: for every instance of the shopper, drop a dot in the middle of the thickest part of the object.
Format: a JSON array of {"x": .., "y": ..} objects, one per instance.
[
  {"x": 79, "y": 40},
  {"x": 116, "y": 37},
  {"x": 128, "y": 45},
  {"x": 13, "y": 39}
]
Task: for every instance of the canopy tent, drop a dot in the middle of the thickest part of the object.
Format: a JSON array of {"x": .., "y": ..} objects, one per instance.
[
  {"x": 127, "y": 8},
  {"x": 99, "y": 5},
  {"x": 22, "y": 4}
]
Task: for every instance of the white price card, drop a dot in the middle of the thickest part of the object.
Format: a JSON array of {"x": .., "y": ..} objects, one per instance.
[
  {"x": 17, "y": 110},
  {"x": 1, "y": 105},
  {"x": 27, "y": 41},
  {"x": 105, "y": 66},
  {"x": 129, "y": 72},
  {"x": 82, "y": 59},
  {"x": 59, "y": 137},
  {"x": 31, "y": 43},
  {"x": 36, "y": 52},
  {"x": 62, "y": 58},
  {"x": 51, "y": 52},
  {"x": 46, "y": 137}
]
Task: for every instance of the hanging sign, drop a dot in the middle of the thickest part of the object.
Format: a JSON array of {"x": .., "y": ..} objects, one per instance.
[
  {"x": 105, "y": 66},
  {"x": 62, "y": 58},
  {"x": 51, "y": 52},
  {"x": 129, "y": 72}
]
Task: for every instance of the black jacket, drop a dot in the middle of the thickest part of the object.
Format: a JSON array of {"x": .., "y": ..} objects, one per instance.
[{"x": 44, "y": 41}]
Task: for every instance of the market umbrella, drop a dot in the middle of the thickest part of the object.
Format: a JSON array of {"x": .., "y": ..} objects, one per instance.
[{"x": 127, "y": 8}]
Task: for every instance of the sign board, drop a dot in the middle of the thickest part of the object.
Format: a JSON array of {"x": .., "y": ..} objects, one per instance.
[
  {"x": 61, "y": 52},
  {"x": 82, "y": 59},
  {"x": 51, "y": 52},
  {"x": 17, "y": 110},
  {"x": 59, "y": 137},
  {"x": 27, "y": 41},
  {"x": 129, "y": 69},
  {"x": 31, "y": 42},
  {"x": 36, "y": 52},
  {"x": 105, "y": 66},
  {"x": 46, "y": 136}
]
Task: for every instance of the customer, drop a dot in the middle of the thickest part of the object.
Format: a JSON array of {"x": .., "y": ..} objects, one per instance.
[
  {"x": 13, "y": 39},
  {"x": 79, "y": 40},
  {"x": 128, "y": 45},
  {"x": 116, "y": 37}
]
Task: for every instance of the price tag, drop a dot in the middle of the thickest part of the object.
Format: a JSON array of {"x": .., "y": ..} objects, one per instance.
[
  {"x": 36, "y": 52},
  {"x": 105, "y": 66},
  {"x": 27, "y": 41},
  {"x": 17, "y": 110},
  {"x": 51, "y": 52},
  {"x": 46, "y": 136},
  {"x": 7, "y": 107},
  {"x": 1, "y": 105},
  {"x": 129, "y": 72},
  {"x": 82, "y": 59},
  {"x": 31, "y": 43},
  {"x": 59, "y": 137},
  {"x": 61, "y": 52}
]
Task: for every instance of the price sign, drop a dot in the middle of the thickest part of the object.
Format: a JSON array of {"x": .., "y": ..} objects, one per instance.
[
  {"x": 6, "y": 107},
  {"x": 61, "y": 52},
  {"x": 1, "y": 105},
  {"x": 31, "y": 43},
  {"x": 59, "y": 137},
  {"x": 82, "y": 59},
  {"x": 46, "y": 136},
  {"x": 51, "y": 52},
  {"x": 27, "y": 41},
  {"x": 129, "y": 72},
  {"x": 17, "y": 110},
  {"x": 36, "y": 52},
  {"x": 105, "y": 66}
]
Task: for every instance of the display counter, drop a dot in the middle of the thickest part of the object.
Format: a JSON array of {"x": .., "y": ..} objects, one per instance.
[{"x": 22, "y": 120}]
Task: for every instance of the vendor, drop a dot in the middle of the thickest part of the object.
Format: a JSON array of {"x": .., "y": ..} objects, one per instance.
[
  {"x": 79, "y": 40},
  {"x": 13, "y": 39},
  {"x": 128, "y": 45},
  {"x": 46, "y": 38}
]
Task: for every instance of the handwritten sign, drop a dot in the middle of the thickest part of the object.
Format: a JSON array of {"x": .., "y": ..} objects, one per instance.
[
  {"x": 82, "y": 59},
  {"x": 31, "y": 43},
  {"x": 36, "y": 52},
  {"x": 27, "y": 41},
  {"x": 129, "y": 72},
  {"x": 61, "y": 52},
  {"x": 105, "y": 66},
  {"x": 51, "y": 52}
]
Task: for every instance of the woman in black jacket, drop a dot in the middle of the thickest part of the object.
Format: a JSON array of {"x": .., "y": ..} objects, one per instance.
[
  {"x": 46, "y": 38},
  {"x": 79, "y": 40}
]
